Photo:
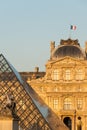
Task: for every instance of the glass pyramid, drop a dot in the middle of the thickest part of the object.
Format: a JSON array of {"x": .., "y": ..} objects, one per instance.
[{"x": 34, "y": 114}]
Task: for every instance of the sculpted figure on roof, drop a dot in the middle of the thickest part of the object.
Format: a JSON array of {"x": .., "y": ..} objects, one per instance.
[
  {"x": 69, "y": 42},
  {"x": 10, "y": 104}
]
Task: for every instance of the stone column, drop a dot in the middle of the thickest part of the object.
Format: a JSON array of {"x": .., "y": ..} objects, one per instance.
[
  {"x": 8, "y": 122},
  {"x": 5, "y": 123}
]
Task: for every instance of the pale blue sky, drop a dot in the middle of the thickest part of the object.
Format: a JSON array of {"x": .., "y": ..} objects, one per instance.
[{"x": 28, "y": 26}]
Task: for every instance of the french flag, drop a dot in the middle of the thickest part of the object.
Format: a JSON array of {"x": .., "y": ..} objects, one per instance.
[{"x": 73, "y": 27}]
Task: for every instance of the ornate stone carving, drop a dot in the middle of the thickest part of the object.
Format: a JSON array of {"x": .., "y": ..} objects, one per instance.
[{"x": 69, "y": 42}]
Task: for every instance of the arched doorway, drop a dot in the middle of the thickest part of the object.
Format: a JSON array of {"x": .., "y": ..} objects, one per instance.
[{"x": 68, "y": 122}]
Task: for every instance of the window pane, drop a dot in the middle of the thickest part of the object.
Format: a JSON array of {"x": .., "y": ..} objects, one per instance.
[
  {"x": 67, "y": 103},
  {"x": 55, "y": 103},
  {"x": 79, "y": 103},
  {"x": 79, "y": 74},
  {"x": 56, "y": 74},
  {"x": 67, "y": 75}
]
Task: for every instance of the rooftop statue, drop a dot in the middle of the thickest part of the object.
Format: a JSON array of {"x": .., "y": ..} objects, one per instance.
[
  {"x": 69, "y": 42},
  {"x": 10, "y": 104}
]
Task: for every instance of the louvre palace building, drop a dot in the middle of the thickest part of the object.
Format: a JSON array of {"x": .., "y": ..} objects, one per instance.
[
  {"x": 63, "y": 87},
  {"x": 52, "y": 100}
]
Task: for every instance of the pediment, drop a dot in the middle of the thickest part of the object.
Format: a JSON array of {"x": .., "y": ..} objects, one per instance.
[{"x": 69, "y": 61}]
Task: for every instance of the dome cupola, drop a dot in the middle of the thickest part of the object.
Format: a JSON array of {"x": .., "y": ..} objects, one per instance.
[{"x": 68, "y": 48}]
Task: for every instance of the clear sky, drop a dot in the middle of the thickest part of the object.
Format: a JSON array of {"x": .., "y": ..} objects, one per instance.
[{"x": 28, "y": 26}]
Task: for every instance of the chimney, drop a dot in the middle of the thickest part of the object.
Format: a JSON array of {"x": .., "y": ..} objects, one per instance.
[
  {"x": 37, "y": 69},
  {"x": 52, "y": 47}
]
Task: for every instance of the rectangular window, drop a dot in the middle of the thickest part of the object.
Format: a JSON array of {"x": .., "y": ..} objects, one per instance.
[
  {"x": 48, "y": 100},
  {"x": 79, "y": 74},
  {"x": 55, "y": 74},
  {"x": 67, "y": 75},
  {"x": 79, "y": 103},
  {"x": 67, "y": 106},
  {"x": 55, "y": 103}
]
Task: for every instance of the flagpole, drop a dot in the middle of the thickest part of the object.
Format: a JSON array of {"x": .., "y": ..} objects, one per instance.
[{"x": 72, "y": 27}]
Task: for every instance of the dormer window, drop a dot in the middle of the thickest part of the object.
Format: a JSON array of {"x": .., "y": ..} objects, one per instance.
[
  {"x": 67, "y": 74},
  {"x": 55, "y": 74},
  {"x": 79, "y": 74}
]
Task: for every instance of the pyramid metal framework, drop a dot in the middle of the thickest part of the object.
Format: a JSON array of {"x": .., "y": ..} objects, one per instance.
[{"x": 32, "y": 115}]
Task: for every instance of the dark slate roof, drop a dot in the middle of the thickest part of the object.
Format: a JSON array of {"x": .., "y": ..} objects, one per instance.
[{"x": 68, "y": 50}]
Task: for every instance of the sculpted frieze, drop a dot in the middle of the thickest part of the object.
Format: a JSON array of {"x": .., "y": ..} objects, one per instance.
[{"x": 67, "y": 62}]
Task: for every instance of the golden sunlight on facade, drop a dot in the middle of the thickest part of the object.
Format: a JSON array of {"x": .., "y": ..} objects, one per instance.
[{"x": 64, "y": 86}]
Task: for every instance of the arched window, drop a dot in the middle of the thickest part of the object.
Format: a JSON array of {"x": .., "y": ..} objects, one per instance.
[
  {"x": 67, "y": 104},
  {"x": 55, "y": 74}
]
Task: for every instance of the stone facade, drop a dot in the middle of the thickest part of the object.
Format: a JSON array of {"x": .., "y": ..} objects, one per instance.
[{"x": 64, "y": 87}]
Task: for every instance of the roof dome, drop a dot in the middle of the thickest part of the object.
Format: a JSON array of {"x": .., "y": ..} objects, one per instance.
[{"x": 68, "y": 48}]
